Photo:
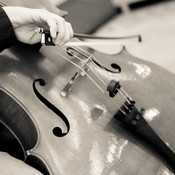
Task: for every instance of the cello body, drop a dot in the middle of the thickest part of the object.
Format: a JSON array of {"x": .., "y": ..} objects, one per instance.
[{"x": 93, "y": 141}]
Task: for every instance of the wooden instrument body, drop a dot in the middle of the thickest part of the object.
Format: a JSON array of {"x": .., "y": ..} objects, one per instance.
[{"x": 96, "y": 143}]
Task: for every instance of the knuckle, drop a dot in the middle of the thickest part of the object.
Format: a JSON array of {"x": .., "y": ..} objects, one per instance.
[
  {"x": 68, "y": 23},
  {"x": 44, "y": 11},
  {"x": 61, "y": 37},
  {"x": 62, "y": 20},
  {"x": 59, "y": 18}
]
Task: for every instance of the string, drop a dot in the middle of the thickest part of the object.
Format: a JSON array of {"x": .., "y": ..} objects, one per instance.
[
  {"x": 79, "y": 35},
  {"x": 126, "y": 96},
  {"x": 95, "y": 72},
  {"x": 88, "y": 57},
  {"x": 90, "y": 79},
  {"x": 41, "y": 30}
]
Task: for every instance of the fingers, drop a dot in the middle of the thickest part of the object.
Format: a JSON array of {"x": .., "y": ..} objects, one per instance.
[
  {"x": 60, "y": 30},
  {"x": 70, "y": 34},
  {"x": 65, "y": 33}
]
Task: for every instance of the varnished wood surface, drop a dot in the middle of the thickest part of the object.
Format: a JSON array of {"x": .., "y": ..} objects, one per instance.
[{"x": 96, "y": 143}]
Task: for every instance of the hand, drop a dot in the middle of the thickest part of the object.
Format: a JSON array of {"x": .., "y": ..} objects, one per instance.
[{"x": 26, "y": 20}]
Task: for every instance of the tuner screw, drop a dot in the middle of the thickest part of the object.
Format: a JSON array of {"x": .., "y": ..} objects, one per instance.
[
  {"x": 138, "y": 117},
  {"x": 113, "y": 88},
  {"x": 142, "y": 109},
  {"x": 134, "y": 123}
]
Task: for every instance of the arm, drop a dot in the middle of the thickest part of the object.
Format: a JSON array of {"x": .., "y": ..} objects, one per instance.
[{"x": 23, "y": 21}]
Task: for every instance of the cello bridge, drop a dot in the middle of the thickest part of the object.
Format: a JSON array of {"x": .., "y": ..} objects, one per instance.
[{"x": 82, "y": 71}]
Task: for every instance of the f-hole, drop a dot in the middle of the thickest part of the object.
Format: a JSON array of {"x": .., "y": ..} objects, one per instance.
[
  {"x": 57, "y": 131},
  {"x": 75, "y": 52},
  {"x": 116, "y": 66}
]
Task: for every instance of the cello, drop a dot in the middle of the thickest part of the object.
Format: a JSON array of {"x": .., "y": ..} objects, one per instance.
[{"x": 66, "y": 125}]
